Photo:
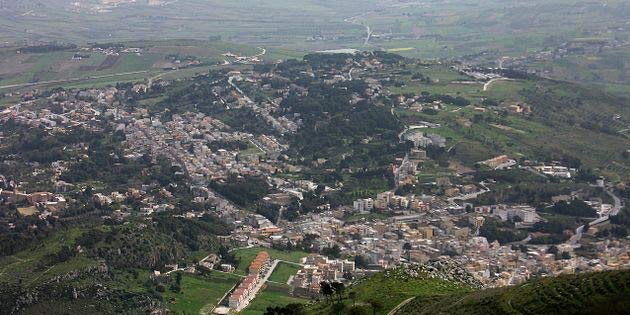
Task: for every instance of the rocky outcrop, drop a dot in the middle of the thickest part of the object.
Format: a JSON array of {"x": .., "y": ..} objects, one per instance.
[
  {"x": 15, "y": 298},
  {"x": 440, "y": 269}
]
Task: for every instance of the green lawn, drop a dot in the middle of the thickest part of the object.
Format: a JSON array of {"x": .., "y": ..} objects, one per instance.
[
  {"x": 245, "y": 256},
  {"x": 283, "y": 272},
  {"x": 199, "y": 292},
  {"x": 272, "y": 295}
]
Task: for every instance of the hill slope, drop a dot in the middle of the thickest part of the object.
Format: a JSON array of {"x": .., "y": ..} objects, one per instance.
[
  {"x": 384, "y": 291},
  {"x": 594, "y": 293}
]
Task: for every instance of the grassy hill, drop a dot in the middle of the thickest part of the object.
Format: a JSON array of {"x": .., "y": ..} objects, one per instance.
[
  {"x": 383, "y": 291},
  {"x": 108, "y": 266},
  {"x": 566, "y": 121},
  {"x": 593, "y": 293}
]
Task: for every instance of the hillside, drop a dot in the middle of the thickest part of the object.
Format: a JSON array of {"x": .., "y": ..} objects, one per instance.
[
  {"x": 560, "y": 122},
  {"x": 106, "y": 267},
  {"x": 383, "y": 291},
  {"x": 594, "y": 293},
  {"x": 396, "y": 292}
]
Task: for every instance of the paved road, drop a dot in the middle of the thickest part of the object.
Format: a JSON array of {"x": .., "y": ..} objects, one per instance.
[
  {"x": 259, "y": 286},
  {"x": 575, "y": 239},
  {"x": 617, "y": 202},
  {"x": 399, "y": 306},
  {"x": 11, "y": 86},
  {"x": 368, "y": 30},
  {"x": 469, "y": 196},
  {"x": 488, "y": 84}
]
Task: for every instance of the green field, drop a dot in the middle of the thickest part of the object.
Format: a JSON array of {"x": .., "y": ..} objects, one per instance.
[
  {"x": 199, "y": 293},
  {"x": 283, "y": 272},
  {"x": 245, "y": 256},
  {"x": 272, "y": 295}
]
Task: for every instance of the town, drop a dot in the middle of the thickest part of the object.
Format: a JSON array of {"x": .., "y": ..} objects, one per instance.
[{"x": 412, "y": 221}]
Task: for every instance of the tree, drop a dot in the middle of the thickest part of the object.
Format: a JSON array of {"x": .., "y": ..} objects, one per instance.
[
  {"x": 178, "y": 278},
  {"x": 407, "y": 248},
  {"x": 360, "y": 262},
  {"x": 523, "y": 248},
  {"x": 333, "y": 252},
  {"x": 327, "y": 289},
  {"x": 176, "y": 288},
  {"x": 339, "y": 288},
  {"x": 289, "y": 309},
  {"x": 353, "y": 296},
  {"x": 357, "y": 310},
  {"x": 376, "y": 305}
]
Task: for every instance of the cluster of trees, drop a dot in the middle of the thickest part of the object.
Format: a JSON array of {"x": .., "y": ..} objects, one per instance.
[
  {"x": 559, "y": 255},
  {"x": 554, "y": 226},
  {"x": 333, "y": 251},
  {"x": 305, "y": 245},
  {"x": 289, "y": 309},
  {"x": 22, "y": 235},
  {"x": 614, "y": 231},
  {"x": 623, "y": 218},
  {"x": 559, "y": 103},
  {"x": 576, "y": 208},
  {"x": 37, "y": 145},
  {"x": 494, "y": 230},
  {"x": 46, "y": 48},
  {"x": 621, "y": 223},
  {"x": 331, "y": 290},
  {"x": 227, "y": 145},
  {"x": 548, "y": 239},
  {"x": 420, "y": 77},
  {"x": 175, "y": 285},
  {"x": 167, "y": 240},
  {"x": 511, "y": 176},
  {"x": 107, "y": 45},
  {"x": 242, "y": 191},
  {"x": 334, "y": 293},
  {"x": 185, "y": 97},
  {"x": 106, "y": 163},
  {"x": 62, "y": 255},
  {"x": 445, "y": 98},
  {"x": 530, "y": 193},
  {"x": 330, "y": 119},
  {"x": 327, "y": 60}
]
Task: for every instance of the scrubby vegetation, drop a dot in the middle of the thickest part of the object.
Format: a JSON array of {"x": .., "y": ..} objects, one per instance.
[{"x": 594, "y": 293}]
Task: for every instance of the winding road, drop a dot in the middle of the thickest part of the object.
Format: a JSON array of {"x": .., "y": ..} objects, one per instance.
[
  {"x": 368, "y": 30},
  {"x": 575, "y": 239},
  {"x": 488, "y": 84}
]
